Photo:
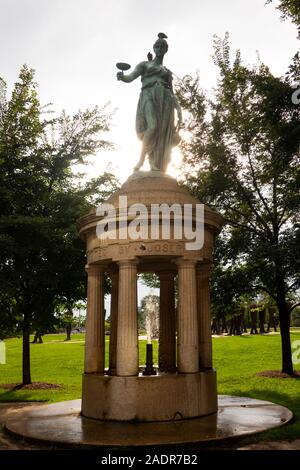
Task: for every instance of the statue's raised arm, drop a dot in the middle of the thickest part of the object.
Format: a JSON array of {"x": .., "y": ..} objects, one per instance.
[
  {"x": 137, "y": 72},
  {"x": 155, "y": 124}
]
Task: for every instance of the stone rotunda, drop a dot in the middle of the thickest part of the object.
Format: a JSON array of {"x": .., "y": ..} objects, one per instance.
[
  {"x": 185, "y": 385},
  {"x": 120, "y": 407}
]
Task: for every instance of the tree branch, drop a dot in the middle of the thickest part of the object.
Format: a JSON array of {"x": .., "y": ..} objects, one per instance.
[
  {"x": 292, "y": 285},
  {"x": 257, "y": 188},
  {"x": 254, "y": 210},
  {"x": 293, "y": 306},
  {"x": 252, "y": 227},
  {"x": 265, "y": 290}
]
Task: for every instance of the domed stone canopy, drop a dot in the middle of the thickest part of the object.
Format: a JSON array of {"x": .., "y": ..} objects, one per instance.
[{"x": 148, "y": 188}]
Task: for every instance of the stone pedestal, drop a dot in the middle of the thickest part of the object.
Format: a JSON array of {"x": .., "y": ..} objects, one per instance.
[{"x": 166, "y": 397}]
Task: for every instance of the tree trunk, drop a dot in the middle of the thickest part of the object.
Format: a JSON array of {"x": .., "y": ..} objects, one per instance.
[
  {"x": 215, "y": 327},
  {"x": 271, "y": 321},
  {"x": 240, "y": 323},
  {"x": 237, "y": 325},
  {"x": 224, "y": 325},
  {"x": 284, "y": 321},
  {"x": 26, "y": 351},
  {"x": 68, "y": 331},
  {"x": 262, "y": 318},
  {"x": 35, "y": 339},
  {"x": 253, "y": 316},
  {"x": 275, "y": 323},
  {"x": 231, "y": 327}
]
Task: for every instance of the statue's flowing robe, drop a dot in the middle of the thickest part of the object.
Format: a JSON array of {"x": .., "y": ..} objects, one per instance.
[{"x": 157, "y": 104}]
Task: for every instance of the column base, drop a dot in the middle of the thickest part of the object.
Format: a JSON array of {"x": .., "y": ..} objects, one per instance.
[{"x": 166, "y": 397}]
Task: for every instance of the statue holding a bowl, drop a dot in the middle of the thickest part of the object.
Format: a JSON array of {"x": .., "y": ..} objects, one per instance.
[{"x": 155, "y": 116}]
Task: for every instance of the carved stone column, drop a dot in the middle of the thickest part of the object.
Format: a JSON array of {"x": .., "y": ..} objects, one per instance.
[
  {"x": 167, "y": 324},
  {"x": 187, "y": 341},
  {"x": 127, "y": 334},
  {"x": 114, "y": 275},
  {"x": 204, "y": 320},
  {"x": 94, "y": 329}
]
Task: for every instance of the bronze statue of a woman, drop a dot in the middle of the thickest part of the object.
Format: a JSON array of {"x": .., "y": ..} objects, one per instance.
[{"x": 155, "y": 111}]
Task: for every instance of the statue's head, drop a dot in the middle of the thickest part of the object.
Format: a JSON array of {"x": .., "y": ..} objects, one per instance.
[{"x": 160, "y": 46}]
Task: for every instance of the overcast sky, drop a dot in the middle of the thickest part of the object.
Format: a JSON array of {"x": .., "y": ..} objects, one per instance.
[{"x": 74, "y": 45}]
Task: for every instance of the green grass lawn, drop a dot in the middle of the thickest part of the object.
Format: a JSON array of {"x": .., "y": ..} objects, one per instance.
[{"x": 236, "y": 359}]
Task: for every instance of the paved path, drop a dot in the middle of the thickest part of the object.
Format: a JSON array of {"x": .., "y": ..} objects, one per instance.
[
  {"x": 274, "y": 445},
  {"x": 8, "y": 442}
]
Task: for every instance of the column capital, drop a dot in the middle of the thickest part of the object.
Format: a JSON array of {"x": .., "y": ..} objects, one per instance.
[
  {"x": 186, "y": 262},
  {"x": 93, "y": 269},
  {"x": 130, "y": 262}
]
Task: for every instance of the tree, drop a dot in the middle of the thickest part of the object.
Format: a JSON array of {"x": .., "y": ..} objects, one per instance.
[
  {"x": 290, "y": 9},
  {"x": 68, "y": 320},
  {"x": 150, "y": 280},
  {"x": 243, "y": 160},
  {"x": 41, "y": 258}
]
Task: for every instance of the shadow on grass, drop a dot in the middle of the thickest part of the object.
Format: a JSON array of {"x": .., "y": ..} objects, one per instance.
[
  {"x": 17, "y": 396},
  {"x": 246, "y": 336},
  {"x": 258, "y": 335}
]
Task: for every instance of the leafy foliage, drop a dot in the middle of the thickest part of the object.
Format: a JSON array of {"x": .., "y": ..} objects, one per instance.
[
  {"x": 41, "y": 257},
  {"x": 290, "y": 9},
  {"x": 242, "y": 158}
]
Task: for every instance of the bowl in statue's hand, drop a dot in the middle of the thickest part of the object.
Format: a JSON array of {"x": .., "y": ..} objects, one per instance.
[{"x": 123, "y": 66}]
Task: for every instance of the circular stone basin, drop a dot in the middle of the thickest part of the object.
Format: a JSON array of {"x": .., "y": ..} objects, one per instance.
[{"x": 62, "y": 424}]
